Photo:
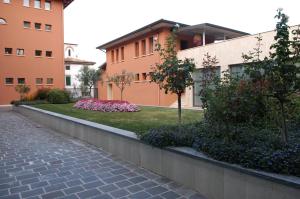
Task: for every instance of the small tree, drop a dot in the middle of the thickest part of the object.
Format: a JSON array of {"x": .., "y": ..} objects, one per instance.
[
  {"x": 279, "y": 72},
  {"x": 173, "y": 75},
  {"x": 89, "y": 77},
  {"x": 22, "y": 89},
  {"x": 121, "y": 80},
  {"x": 209, "y": 75}
]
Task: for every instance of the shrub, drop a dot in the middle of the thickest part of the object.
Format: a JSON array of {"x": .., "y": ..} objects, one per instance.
[
  {"x": 42, "y": 94},
  {"x": 106, "y": 105},
  {"x": 34, "y": 102},
  {"x": 57, "y": 96},
  {"x": 251, "y": 147}
]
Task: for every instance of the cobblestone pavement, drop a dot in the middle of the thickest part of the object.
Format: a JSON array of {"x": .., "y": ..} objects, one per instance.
[{"x": 36, "y": 162}]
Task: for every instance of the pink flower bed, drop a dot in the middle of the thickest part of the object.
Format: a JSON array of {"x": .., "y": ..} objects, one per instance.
[{"x": 106, "y": 105}]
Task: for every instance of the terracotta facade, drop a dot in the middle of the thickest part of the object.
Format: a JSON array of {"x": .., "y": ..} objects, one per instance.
[{"x": 39, "y": 32}]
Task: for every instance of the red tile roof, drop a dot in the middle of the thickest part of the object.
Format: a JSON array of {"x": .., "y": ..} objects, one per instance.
[{"x": 67, "y": 2}]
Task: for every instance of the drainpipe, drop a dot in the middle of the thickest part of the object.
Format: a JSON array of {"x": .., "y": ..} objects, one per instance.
[{"x": 203, "y": 38}]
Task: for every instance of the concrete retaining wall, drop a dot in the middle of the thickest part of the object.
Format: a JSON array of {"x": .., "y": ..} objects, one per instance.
[{"x": 214, "y": 179}]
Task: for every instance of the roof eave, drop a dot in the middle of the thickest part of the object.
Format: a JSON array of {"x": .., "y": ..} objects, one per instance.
[{"x": 106, "y": 45}]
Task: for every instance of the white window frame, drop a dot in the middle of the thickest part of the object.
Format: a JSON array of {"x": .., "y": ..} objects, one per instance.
[
  {"x": 20, "y": 52},
  {"x": 6, "y": 1},
  {"x": 38, "y": 4},
  {"x": 26, "y": 3},
  {"x": 49, "y": 3}
]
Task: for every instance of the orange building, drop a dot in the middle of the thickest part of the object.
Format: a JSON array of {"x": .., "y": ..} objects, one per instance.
[
  {"x": 135, "y": 53},
  {"x": 31, "y": 45}
]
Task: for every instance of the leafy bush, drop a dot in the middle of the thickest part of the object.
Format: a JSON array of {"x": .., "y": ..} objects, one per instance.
[
  {"x": 42, "y": 94},
  {"x": 33, "y": 102},
  {"x": 106, "y": 105},
  {"x": 170, "y": 136},
  {"x": 251, "y": 147},
  {"x": 57, "y": 96}
]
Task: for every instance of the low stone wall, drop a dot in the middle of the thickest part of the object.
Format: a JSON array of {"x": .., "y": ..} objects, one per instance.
[
  {"x": 6, "y": 107},
  {"x": 213, "y": 179}
]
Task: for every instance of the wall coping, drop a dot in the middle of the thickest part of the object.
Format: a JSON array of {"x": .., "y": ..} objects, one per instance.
[{"x": 292, "y": 181}]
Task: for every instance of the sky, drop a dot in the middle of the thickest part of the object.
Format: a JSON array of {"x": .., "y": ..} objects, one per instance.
[{"x": 91, "y": 23}]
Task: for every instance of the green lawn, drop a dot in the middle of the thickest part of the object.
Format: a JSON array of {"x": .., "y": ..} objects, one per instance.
[{"x": 138, "y": 122}]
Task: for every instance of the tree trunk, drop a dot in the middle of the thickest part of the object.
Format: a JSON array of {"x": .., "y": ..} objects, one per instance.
[
  {"x": 283, "y": 124},
  {"x": 179, "y": 108},
  {"x": 121, "y": 95},
  {"x": 90, "y": 91}
]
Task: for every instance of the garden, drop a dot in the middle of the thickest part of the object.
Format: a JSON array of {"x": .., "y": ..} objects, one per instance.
[{"x": 252, "y": 120}]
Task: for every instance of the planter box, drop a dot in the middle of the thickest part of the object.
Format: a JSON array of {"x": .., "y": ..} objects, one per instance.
[{"x": 214, "y": 179}]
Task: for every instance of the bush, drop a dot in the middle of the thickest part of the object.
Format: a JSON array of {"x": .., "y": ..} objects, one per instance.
[
  {"x": 106, "y": 105},
  {"x": 251, "y": 147},
  {"x": 33, "y": 102},
  {"x": 42, "y": 94},
  {"x": 57, "y": 96}
]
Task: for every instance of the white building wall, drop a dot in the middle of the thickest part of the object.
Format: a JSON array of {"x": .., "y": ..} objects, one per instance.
[{"x": 227, "y": 52}]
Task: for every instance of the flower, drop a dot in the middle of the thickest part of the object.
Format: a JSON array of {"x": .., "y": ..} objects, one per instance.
[{"x": 106, "y": 105}]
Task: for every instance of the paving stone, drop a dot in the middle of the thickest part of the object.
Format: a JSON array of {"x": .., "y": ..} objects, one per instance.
[
  {"x": 55, "y": 187},
  {"x": 141, "y": 194},
  {"x": 135, "y": 188},
  {"x": 75, "y": 189},
  {"x": 55, "y": 194},
  {"x": 157, "y": 190},
  {"x": 170, "y": 195},
  {"x": 123, "y": 184},
  {"x": 137, "y": 179},
  {"x": 93, "y": 184},
  {"x": 73, "y": 183},
  {"x": 33, "y": 192},
  {"x": 19, "y": 189},
  {"x": 4, "y": 192},
  {"x": 13, "y": 196},
  {"x": 108, "y": 188},
  {"x": 119, "y": 193},
  {"x": 148, "y": 184},
  {"x": 40, "y": 163},
  {"x": 89, "y": 179},
  {"x": 89, "y": 193},
  {"x": 39, "y": 184},
  {"x": 73, "y": 196}
]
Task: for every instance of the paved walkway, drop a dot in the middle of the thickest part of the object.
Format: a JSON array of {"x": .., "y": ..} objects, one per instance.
[{"x": 36, "y": 162}]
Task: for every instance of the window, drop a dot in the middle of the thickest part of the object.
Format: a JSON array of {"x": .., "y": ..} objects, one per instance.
[
  {"x": 48, "y": 53},
  {"x": 21, "y": 80},
  {"x": 143, "y": 47},
  {"x": 50, "y": 81},
  {"x": 69, "y": 52},
  {"x": 47, "y": 5},
  {"x": 68, "y": 80},
  {"x": 8, "y": 51},
  {"x": 9, "y": 80},
  {"x": 20, "y": 52},
  {"x": 2, "y": 21},
  {"x": 122, "y": 54},
  {"x": 48, "y": 27},
  {"x": 26, "y": 3},
  {"x": 38, "y": 53},
  {"x": 26, "y": 24},
  {"x": 151, "y": 45},
  {"x": 6, "y": 1},
  {"x": 117, "y": 55},
  {"x": 144, "y": 76},
  {"x": 39, "y": 81},
  {"x": 37, "y": 4},
  {"x": 137, "y": 77},
  {"x": 38, "y": 26},
  {"x": 137, "y": 49},
  {"x": 67, "y": 67},
  {"x": 112, "y": 56}
]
